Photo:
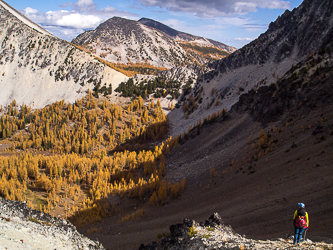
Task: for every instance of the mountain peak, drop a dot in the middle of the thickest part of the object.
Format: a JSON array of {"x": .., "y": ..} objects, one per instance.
[
  {"x": 160, "y": 26},
  {"x": 119, "y": 40},
  {"x": 119, "y": 19}
]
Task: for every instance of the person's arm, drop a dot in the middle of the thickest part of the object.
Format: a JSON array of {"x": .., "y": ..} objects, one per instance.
[
  {"x": 307, "y": 219},
  {"x": 295, "y": 214}
]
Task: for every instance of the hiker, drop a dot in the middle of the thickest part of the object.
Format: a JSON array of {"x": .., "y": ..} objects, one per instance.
[{"x": 301, "y": 222}]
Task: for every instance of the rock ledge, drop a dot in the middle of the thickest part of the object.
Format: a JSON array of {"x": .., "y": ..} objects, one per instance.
[
  {"x": 25, "y": 228},
  {"x": 213, "y": 234}
]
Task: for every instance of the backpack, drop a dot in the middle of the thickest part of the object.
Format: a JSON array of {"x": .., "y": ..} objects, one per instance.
[{"x": 300, "y": 222}]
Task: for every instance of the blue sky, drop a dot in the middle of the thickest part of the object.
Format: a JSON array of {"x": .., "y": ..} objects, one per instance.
[{"x": 233, "y": 22}]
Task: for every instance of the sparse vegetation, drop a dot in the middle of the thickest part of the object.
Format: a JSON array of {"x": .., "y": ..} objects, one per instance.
[
  {"x": 191, "y": 231},
  {"x": 133, "y": 69},
  {"x": 159, "y": 87},
  {"x": 206, "y": 236},
  {"x": 206, "y": 52},
  {"x": 134, "y": 215}
]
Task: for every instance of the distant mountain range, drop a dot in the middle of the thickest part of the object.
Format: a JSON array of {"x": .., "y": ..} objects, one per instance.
[{"x": 120, "y": 40}]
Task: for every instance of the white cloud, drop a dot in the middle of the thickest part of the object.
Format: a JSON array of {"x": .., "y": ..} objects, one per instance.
[
  {"x": 248, "y": 39},
  {"x": 68, "y": 24},
  {"x": 216, "y": 8},
  {"x": 81, "y": 5},
  {"x": 78, "y": 21},
  {"x": 89, "y": 7},
  {"x": 247, "y": 24},
  {"x": 175, "y": 23},
  {"x": 85, "y": 3},
  {"x": 109, "y": 9},
  {"x": 275, "y": 4},
  {"x": 233, "y": 21},
  {"x": 63, "y": 18},
  {"x": 30, "y": 11},
  {"x": 65, "y": 33},
  {"x": 243, "y": 7}
]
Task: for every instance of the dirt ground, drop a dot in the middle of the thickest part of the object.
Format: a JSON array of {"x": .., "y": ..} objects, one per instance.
[
  {"x": 3, "y": 146},
  {"x": 258, "y": 201}
]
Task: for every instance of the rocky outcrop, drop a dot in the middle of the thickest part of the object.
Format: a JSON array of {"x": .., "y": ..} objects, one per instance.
[
  {"x": 25, "y": 228},
  {"x": 38, "y": 69},
  {"x": 213, "y": 234}
]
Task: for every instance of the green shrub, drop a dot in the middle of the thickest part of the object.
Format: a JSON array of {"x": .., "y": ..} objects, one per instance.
[
  {"x": 191, "y": 231},
  {"x": 210, "y": 229},
  {"x": 206, "y": 236}
]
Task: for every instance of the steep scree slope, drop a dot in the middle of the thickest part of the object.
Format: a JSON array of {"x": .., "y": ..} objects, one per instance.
[{"x": 253, "y": 179}]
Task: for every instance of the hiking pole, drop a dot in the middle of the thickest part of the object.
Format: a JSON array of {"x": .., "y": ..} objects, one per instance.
[{"x": 304, "y": 235}]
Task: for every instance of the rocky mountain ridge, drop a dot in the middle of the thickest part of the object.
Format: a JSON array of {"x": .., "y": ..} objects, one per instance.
[
  {"x": 38, "y": 69},
  {"x": 214, "y": 234},
  {"x": 290, "y": 40},
  {"x": 119, "y": 40},
  {"x": 24, "y": 18},
  {"x": 24, "y": 228}
]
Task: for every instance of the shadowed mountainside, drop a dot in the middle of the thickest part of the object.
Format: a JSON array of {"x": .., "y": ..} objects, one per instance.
[
  {"x": 291, "y": 39},
  {"x": 252, "y": 165}
]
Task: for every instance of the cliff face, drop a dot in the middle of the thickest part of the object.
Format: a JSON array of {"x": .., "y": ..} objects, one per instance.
[
  {"x": 38, "y": 69},
  {"x": 24, "y": 228}
]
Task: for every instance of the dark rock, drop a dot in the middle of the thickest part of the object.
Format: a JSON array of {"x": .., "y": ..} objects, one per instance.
[
  {"x": 214, "y": 220},
  {"x": 319, "y": 129}
]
